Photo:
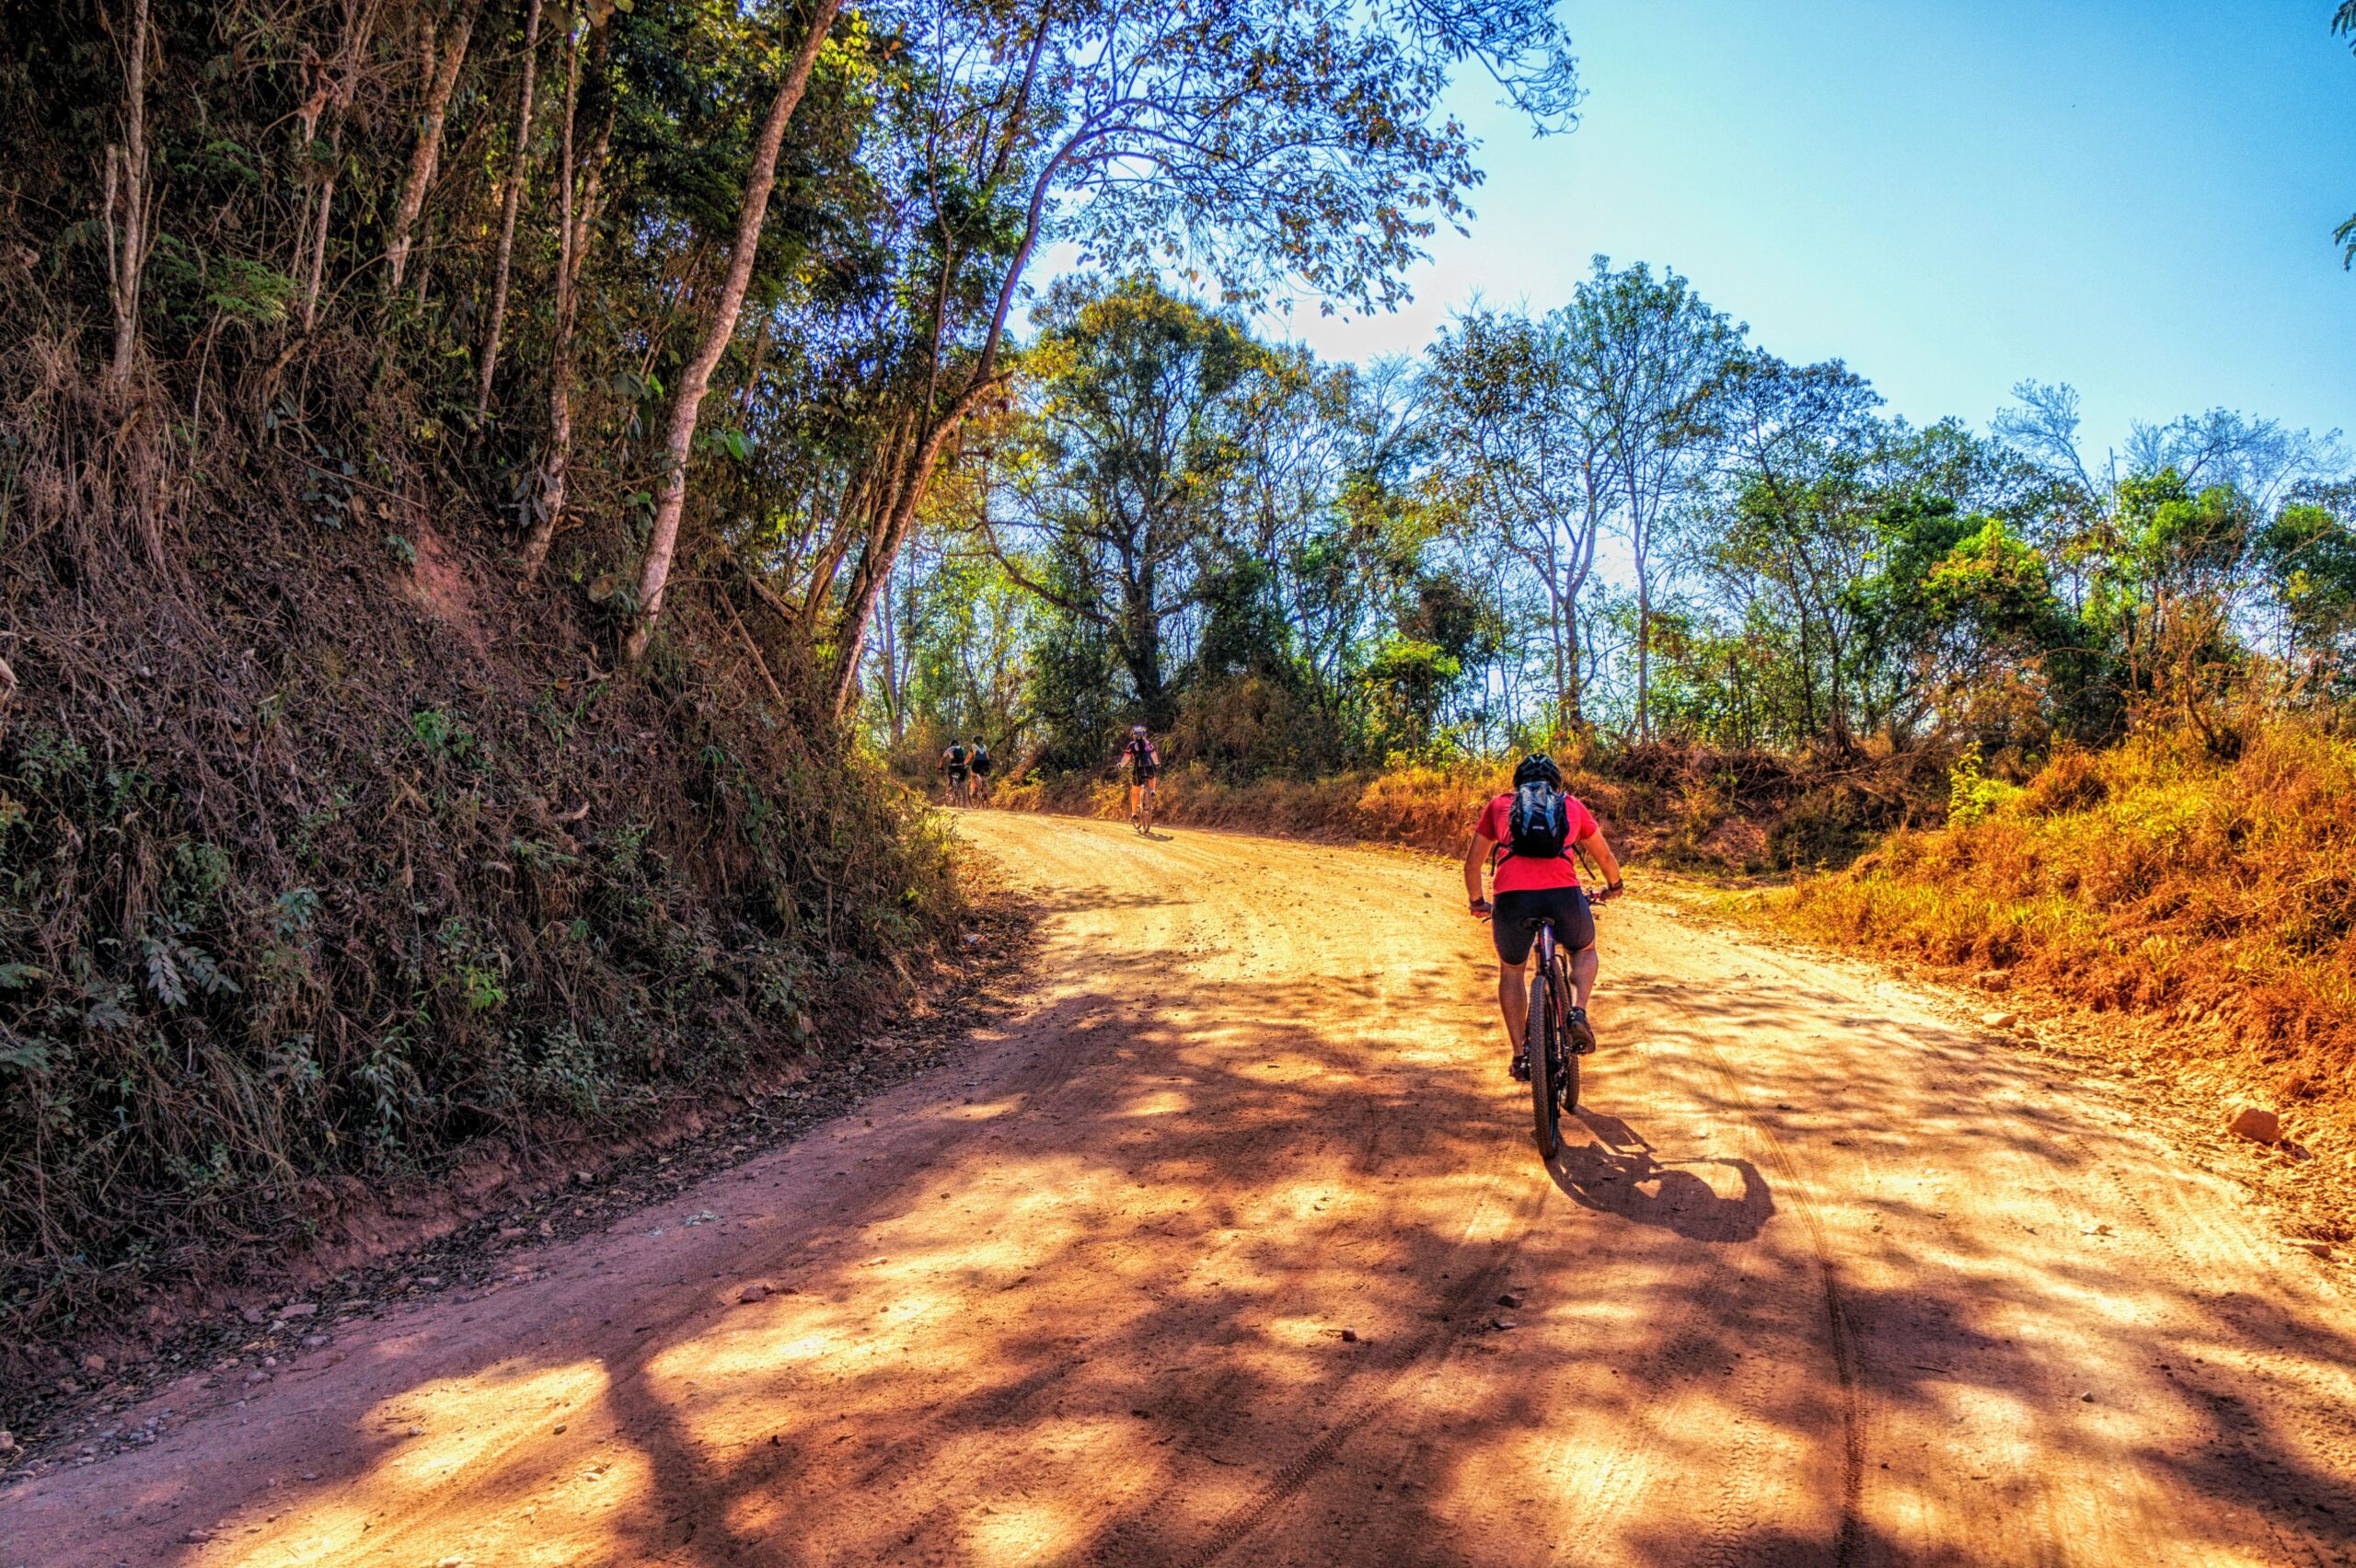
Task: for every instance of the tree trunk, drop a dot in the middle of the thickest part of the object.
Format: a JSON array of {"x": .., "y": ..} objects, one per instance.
[
  {"x": 883, "y": 548},
  {"x": 316, "y": 282},
  {"x": 893, "y": 710},
  {"x": 332, "y": 87},
  {"x": 1154, "y": 702},
  {"x": 576, "y": 215},
  {"x": 1139, "y": 643},
  {"x": 1644, "y": 649},
  {"x": 517, "y": 167},
  {"x": 697, "y": 376},
  {"x": 127, "y": 188},
  {"x": 1572, "y": 716},
  {"x": 429, "y": 143},
  {"x": 860, "y": 607}
]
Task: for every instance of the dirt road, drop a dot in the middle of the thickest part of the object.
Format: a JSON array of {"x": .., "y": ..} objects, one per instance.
[{"x": 1820, "y": 1280}]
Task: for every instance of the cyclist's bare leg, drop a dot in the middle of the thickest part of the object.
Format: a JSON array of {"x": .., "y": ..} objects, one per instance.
[
  {"x": 1513, "y": 1000},
  {"x": 1583, "y": 963}
]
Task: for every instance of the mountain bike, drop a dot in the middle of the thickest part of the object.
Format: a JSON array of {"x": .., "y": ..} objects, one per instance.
[
  {"x": 959, "y": 791},
  {"x": 1546, "y": 1040},
  {"x": 1142, "y": 818}
]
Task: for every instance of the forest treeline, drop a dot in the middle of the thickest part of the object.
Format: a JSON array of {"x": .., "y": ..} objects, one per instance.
[
  {"x": 1619, "y": 520},
  {"x": 452, "y": 453}
]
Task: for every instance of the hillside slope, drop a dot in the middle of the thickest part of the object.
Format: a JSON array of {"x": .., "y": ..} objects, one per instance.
[{"x": 327, "y": 853}]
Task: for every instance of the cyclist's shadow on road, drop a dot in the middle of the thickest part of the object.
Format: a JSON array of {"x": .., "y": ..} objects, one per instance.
[{"x": 1617, "y": 1174}]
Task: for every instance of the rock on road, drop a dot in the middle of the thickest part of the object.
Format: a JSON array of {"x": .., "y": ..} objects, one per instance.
[{"x": 1820, "y": 1278}]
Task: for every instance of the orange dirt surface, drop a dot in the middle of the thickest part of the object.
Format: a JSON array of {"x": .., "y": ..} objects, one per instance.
[{"x": 1820, "y": 1278}]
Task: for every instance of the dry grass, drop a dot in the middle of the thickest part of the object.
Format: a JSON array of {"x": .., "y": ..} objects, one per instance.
[
  {"x": 1659, "y": 804},
  {"x": 2154, "y": 882}
]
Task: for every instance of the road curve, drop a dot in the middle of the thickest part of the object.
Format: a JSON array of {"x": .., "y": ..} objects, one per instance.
[{"x": 1233, "y": 1247}]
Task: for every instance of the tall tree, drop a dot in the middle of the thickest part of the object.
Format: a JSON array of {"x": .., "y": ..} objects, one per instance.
[
  {"x": 1520, "y": 454},
  {"x": 719, "y": 328},
  {"x": 519, "y": 163},
  {"x": 1653, "y": 356},
  {"x": 1794, "y": 531},
  {"x": 1143, "y": 406},
  {"x": 440, "y": 82},
  {"x": 580, "y": 184},
  {"x": 128, "y": 206}
]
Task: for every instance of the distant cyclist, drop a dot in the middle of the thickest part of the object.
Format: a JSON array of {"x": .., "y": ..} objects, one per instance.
[
  {"x": 1531, "y": 830},
  {"x": 956, "y": 763},
  {"x": 978, "y": 758},
  {"x": 1144, "y": 764}
]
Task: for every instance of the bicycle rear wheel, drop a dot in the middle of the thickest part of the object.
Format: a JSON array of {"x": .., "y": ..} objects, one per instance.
[{"x": 1539, "y": 1044}]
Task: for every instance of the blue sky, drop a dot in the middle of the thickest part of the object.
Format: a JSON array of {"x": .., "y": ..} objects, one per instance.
[{"x": 2137, "y": 199}]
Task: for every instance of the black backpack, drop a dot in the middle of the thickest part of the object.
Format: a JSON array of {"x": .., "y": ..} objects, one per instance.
[
  {"x": 1539, "y": 824},
  {"x": 956, "y": 757}
]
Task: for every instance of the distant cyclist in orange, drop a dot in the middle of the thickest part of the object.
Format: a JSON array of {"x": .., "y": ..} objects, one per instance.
[{"x": 1536, "y": 826}]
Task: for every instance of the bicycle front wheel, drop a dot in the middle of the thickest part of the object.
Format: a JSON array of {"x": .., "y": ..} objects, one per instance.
[{"x": 1538, "y": 1041}]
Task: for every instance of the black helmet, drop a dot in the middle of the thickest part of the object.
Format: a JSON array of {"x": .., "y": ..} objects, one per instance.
[{"x": 1537, "y": 765}]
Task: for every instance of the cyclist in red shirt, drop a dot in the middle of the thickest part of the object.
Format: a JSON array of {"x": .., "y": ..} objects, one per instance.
[{"x": 1530, "y": 880}]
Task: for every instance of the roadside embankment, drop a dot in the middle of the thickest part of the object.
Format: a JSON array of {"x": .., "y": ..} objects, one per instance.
[{"x": 2208, "y": 900}]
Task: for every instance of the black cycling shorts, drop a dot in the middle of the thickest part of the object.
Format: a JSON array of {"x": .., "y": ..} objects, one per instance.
[
  {"x": 1142, "y": 774},
  {"x": 1574, "y": 921}
]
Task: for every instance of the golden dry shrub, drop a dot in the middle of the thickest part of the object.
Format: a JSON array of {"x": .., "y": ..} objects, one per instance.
[{"x": 2154, "y": 878}]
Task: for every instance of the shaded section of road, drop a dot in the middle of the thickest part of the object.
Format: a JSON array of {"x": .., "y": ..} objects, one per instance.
[{"x": 1819, "y": 1279}]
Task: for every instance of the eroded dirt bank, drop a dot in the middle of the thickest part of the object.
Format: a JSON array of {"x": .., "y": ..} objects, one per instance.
[{"x": 1821, "y": 1279}]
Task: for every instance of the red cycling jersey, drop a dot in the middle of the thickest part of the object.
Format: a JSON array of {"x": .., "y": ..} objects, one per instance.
[{"x": 1520, "y": 874}]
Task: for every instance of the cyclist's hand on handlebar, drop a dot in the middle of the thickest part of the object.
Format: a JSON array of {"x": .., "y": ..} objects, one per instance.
[
  {"x": 1607, "y": 893},
  {"x": 1482, "y": 909}
]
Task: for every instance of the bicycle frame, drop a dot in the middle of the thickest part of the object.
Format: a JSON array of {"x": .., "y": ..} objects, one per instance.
[{"x": 1547, "y": 951}]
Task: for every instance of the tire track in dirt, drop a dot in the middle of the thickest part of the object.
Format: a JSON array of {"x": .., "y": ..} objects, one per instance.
[
  {"x": 1238, "y": 1525},
  {"x": 2229, "y": 1411},
  {"x": 1840, "y": 1337}
]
